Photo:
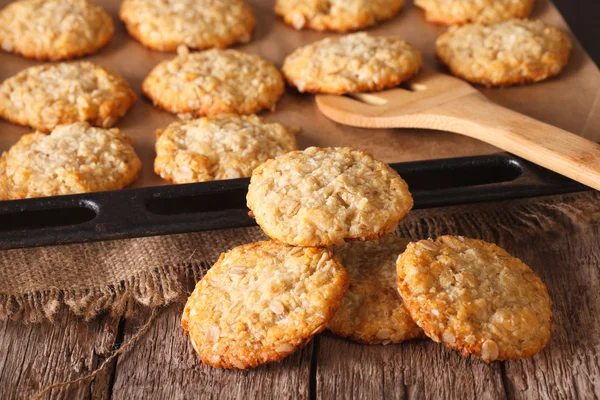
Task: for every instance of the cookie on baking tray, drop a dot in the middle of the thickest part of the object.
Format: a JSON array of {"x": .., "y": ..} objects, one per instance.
[
  {"x": 214, "y": 82},
  {"x": 352, "y": 63},
  {"x": 198, "y": 24},
  {"x": 372, "y": 311},
  {"x": 261, "y": 302},
  {"x": 509, "y": 53},
  {"x": 46, "y": 96},
  {"x": 221, "y": 147},
  {"x": 54, "y": 29},
  {"x": 456, "y": 12},
  {"x": 475, "y": 297},
  {"x": 323, "y": 196},
  {"x": 336, "y": 15},
  {"x": 74, "y": 158}
]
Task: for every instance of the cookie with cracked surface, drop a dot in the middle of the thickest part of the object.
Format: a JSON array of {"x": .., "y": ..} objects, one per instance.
[
  {"x": 74, "y": 158},
  {"x": 261, "y": 302},
  {"x": 352, "y": 63},
  {"x": 214, "y": 82},
  {"x": 54, "y": 29},
  {"x": 372, "y": 311},
  {"x": 221, "y": 147},
  {"x": 475, "y": 297},
  {"x": 197, "y": 24},
  {"x": 336, "y": 15},
  {"x": 46, "y": 96},
  {"x": 505, "y": 54},
  {"x": 458, "y": 12},
  {"x": 323, "y": 196}
]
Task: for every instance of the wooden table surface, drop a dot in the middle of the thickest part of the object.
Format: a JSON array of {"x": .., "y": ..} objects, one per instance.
[{"x": 164, "y": 365}]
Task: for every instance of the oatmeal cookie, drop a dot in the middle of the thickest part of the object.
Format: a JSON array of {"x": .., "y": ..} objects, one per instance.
[
  {"x": 197, "y": 24},
  {"x": 3, "y": 179},
  {"x": 353, "y": 63},
  {"x": 221, "y": 147},
  {"x": 261, "y": 302},
  {"x": 74, "y": 158},
  {"x": 336, "y": 15},
  {"x": 322, "y": 196},
  {"x": 475, "y": 297},
  {"x": 456, "y": 12},
  {"x": 505, "y": 54},
  {"x": 214, "y": 82},
  {"x": 372, "y": 311},
  {"x": 54, "y": 29},
  {"x": 46, "y": 96}
]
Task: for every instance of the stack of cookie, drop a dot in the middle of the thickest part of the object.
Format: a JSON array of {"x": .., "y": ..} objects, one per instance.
[{"x": 333, "y": 262}]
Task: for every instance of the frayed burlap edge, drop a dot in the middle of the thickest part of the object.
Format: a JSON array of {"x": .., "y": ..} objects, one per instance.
[{"x": 158, "y": 286}]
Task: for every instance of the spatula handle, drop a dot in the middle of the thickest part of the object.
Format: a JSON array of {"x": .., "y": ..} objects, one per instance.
[{"x": 543, "y": 144}]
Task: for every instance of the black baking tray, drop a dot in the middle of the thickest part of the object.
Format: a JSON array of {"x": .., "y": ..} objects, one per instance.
[{"x": 222, "y": 204}]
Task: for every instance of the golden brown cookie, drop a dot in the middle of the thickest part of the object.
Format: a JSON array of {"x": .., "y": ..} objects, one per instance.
[
  {"x": 456, "y": 12},
  {"x": 261, "y": 302},
  {"x": 336, "y": 15},
  {"x": 54, "y": 29},
  {"x": 214, "y": 82},
  {"x": 46, "y": 96},
  {"x": 74, "y": 158},
  {"x": 197, "y": 24},
  {"x": 372, "y": 311},
  {"x": 3, "y": 179},
  {"x": 475, "y": 297},
  {"x": 221, "y": 147},
  {"x": 323, "y": 196},
  {"x": 505, "y": 54},
  {"x": 352, "y": 63}
]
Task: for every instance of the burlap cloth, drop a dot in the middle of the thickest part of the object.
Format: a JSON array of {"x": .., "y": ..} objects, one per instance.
[{"x": 113, "y": 276}]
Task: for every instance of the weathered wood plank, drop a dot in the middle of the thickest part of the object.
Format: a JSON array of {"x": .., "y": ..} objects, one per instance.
[
  {"x": 569, "y": 367},
  {"x": 164, "y": 365},
  {"x": 418, "y": 369},
  {"x": 33, "y": 356},
  {"x": 568, "y": 262}
]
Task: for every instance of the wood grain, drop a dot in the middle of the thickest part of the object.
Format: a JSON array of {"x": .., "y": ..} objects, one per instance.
[
  {"x": 164, "y": 365},
  {"x": 419, "y": 369},
  {"x": 570, "y": 367},
  {"x": 567, "y": 261},
  {"x": 36, "y": 355}
]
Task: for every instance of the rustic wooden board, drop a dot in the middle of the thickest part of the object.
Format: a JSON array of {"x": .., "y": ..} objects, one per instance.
[
  {"x": 417, "y": 369},
  {"x": 570, "y": 367},
  {"x": 164, "y": 365},
  {"x": 568, "y": 262},
  {"x": 33, "y": 356}
]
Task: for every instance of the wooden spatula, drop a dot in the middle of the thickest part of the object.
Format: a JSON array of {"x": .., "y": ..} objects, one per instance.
[{"x": 442, "y": 102}]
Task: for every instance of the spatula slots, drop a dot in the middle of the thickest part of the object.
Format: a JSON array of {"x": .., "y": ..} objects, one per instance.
[{"x": 442, "y": 102}]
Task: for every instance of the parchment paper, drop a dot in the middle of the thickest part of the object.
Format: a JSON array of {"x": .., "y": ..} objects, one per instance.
[{"x": 570, "y": 101}]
